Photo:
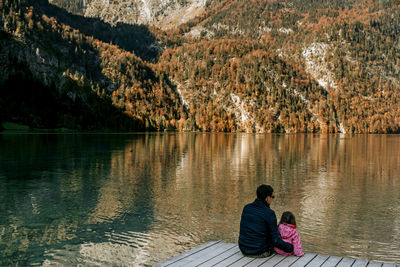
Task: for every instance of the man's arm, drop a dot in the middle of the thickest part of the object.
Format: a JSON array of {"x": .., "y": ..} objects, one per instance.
[{"x": 275, "y": 235}]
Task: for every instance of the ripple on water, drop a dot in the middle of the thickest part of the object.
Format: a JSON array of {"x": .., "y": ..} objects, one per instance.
[
  {"x": 122, "y": 249},
  {"x": 132, "y": 239}
]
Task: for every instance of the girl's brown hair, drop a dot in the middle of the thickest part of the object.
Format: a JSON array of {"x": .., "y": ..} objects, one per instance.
[{"x": 288, "y": 217}]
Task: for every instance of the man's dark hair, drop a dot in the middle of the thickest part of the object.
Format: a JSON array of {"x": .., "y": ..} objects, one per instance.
[{"x": 263, "y": 191}]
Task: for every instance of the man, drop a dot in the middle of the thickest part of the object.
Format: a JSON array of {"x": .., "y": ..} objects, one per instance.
[{"x": 258, "y": 226}]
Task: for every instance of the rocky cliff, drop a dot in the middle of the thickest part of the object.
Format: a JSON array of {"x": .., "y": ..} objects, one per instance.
[{"x": 164, "y": 14}]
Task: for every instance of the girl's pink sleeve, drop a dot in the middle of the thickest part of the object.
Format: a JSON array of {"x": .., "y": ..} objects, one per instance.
[{"x": 297, "y": 249}]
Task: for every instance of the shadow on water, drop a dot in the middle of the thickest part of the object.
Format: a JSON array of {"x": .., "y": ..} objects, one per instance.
[
  {"x": 61, "y": 191},
  {"x": 130, "y": 37}
]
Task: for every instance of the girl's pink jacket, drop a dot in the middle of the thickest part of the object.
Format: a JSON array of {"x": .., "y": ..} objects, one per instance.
[{"x": 289, "y": 234}]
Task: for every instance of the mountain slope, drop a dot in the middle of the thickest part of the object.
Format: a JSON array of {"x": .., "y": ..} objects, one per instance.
[
  {"x": 84, "y": 71},
  {"x": 350, "y": 48},
  {"x": 252, "y": 66},
  {"x": 234, "y": 85}
]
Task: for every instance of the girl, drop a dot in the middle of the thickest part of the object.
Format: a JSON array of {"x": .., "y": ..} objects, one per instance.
[{"x": 287, "y": 229}]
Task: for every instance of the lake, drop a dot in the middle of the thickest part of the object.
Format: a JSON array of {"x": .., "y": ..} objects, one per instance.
[{"x": 138, "y": 199}]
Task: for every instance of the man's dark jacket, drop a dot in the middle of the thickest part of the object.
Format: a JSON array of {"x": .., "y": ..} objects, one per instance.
[{"x": 259, "y": 231}]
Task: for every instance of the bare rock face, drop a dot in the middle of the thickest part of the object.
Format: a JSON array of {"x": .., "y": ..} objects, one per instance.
[{"x": 162, "y": 13}]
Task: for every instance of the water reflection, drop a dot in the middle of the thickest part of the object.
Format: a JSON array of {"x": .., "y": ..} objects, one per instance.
[{"x": 116, "y": 199}]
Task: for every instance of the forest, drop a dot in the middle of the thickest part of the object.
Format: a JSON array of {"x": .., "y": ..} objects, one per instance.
[{"x": 257, "y": 66}]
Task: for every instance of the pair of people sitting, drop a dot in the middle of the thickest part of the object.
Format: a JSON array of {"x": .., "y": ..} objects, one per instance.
[{"x": 259, "y": 233}]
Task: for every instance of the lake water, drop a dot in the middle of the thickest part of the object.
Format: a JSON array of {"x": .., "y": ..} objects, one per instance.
[{"x": 138, "y": 199}]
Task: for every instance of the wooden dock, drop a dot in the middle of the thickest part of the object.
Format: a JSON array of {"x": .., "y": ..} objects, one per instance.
[{"x": 217, "y": 253}]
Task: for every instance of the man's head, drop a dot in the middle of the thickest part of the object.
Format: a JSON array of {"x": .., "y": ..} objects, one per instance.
[{"x": 265, "y": 192}]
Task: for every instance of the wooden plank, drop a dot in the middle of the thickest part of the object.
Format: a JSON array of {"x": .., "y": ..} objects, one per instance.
[
  {"x": 242, "y": 262},
  {"x": 303, "y": 261},
  {"x": 274, "y": 260},
  {"x": 318, "y": 261},
  {"x": 332, "y": 261},
  {"x": 228, "y": 261},
  {"x": 374, "y": 264},
  {"x": 258, "y": 261},
  {"x": 217, "y": 253},
  {"x": 220, "y": 257},
  {"x": 289, "y": 260},
  {"x": 186, "y": 254},
  {"x": 346, "y": 262},
  {"x": 204, "y": 255},
  {"x": 360, "y": 263}
]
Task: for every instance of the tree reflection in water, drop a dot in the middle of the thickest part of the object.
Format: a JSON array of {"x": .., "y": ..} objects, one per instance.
[{"x": 123, "y": 198}]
